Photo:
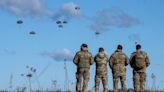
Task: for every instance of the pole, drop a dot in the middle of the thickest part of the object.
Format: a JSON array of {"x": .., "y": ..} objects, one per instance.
[{"x": 66, "y": 77}]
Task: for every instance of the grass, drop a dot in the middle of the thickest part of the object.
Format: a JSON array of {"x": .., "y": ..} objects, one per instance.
[{"x": 73, "y": 91}]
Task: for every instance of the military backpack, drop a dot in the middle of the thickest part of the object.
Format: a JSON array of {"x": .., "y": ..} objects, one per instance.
[{"x": 139, "y": 60}]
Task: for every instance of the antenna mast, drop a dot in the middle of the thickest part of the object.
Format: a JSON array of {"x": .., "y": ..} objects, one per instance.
[
  {"x": 11, "y": 82},
  {"x": 154, "y": 81},
  {"x": 66, "y": 87}
]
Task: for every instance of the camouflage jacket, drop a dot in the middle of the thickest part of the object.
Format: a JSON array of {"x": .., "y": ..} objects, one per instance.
[
  {"x": 83, "y": 59},
  {"x": 118, "y": 62},
  {"x": 144, "y": 59},
  {"x": 101, "y": 61}
]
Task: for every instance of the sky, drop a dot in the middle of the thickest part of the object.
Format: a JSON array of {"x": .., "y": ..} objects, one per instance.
[{"x": 116, "y": 22}]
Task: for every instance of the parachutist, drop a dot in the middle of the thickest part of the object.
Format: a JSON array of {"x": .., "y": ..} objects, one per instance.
[{"x": 60, "y": 26}]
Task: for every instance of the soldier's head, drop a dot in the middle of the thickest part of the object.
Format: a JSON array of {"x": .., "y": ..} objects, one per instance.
[
  {"x": 138, "y": 47},
  {"x": 101, "y": 49},
  {"x": 84, "y": 47},
  {"x": 119, "y": 47}
]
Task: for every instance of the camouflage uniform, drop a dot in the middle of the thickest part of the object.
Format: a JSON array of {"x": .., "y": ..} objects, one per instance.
[
  {"x": 83, "y": 59},
  {"x": 139, "y": 74},
  {"x": 101, "y": 71},
  {"x": 118, "y": 62}
]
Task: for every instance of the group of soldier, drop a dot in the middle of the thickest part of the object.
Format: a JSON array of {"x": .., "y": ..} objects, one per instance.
[{"x": 118, "y": 61}]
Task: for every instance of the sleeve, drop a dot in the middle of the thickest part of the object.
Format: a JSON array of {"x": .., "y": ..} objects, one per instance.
[
  {"x": 106, "y": 58},
  {"x": 91, "y": 59},
  {"x": 126, "y": 60},
  {"x": 131, "y": 60},
  {"x": 111, "y": 59},
  {"x": 95, "y": 58},
  {"x": 76, "y": 58},
  {"x": 147, "y": 61}
]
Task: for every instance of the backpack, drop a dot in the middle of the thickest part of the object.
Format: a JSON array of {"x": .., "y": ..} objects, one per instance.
[{"x": 139, "y": 60}]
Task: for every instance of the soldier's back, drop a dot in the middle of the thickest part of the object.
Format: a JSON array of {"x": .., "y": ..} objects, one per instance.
[
  {"x": 85, "y": 59},
  {"x": 138, "y": 60}
]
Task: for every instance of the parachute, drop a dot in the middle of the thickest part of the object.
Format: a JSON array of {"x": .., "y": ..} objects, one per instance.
[
  {"x": 32, "y": 32},
  {"x": 58, "y": 22},
  {"x": 61, "y": 23},
  {"x": 19, "y": 22},
  {"x": 64, "y": 22},
  {"x": 97, "y": 33},
  {"x": 77, "y": 8}
]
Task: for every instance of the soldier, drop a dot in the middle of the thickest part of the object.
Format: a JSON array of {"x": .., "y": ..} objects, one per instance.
[
  {"x": 101, "y": 70},
  {"x": 118, "y": 62},
  {"x": 139, "y": 61},
  {"x": 83, "y": 59}
]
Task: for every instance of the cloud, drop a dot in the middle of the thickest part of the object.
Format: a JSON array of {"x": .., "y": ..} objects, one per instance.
[
  {"x": 59, "y": 55},
  {"x": 103, "y": 21},
  {"x": 67, "y": 11},
  {"x": 112, "y": 17},
  {"x": 37, "y": 8},
  {"x": 25, "y": 7}
]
